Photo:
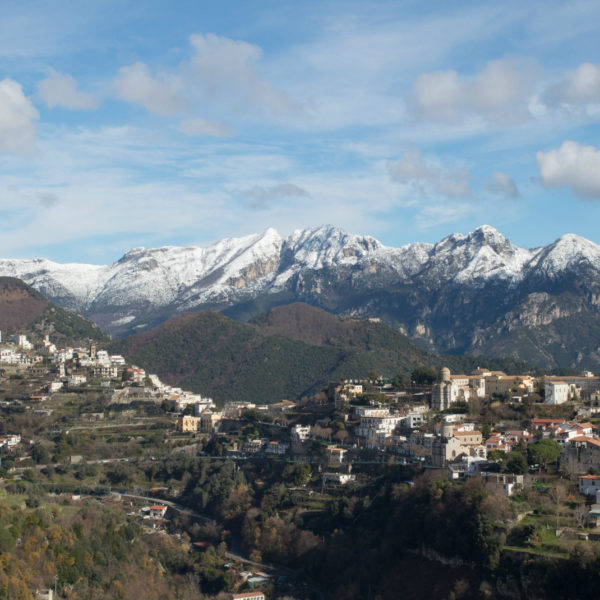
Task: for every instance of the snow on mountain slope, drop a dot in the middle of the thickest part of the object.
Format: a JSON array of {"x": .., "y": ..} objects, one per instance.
[
  {"x": 568, "y": 252},
  {"x": 329, "y": 246},
  {"x": 80, "y": 283},
  {"x": 162, "y": 276},
  {"x": 239, "y": 269},
  {"x": 484, "y": 254}
]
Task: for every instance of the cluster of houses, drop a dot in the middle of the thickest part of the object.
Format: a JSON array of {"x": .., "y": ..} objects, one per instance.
[
  {"x": 74, "y": 366},
  {"x": 453, "y": 389},
  {"x": 453, "y": 445},
  {"x": 68, "y": 367},
  {"x": 16, "y": 352},
  {"x": 207, "y": 418}
]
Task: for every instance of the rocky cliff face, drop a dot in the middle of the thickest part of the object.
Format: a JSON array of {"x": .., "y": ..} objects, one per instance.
[{"x": 467, "y": 293}]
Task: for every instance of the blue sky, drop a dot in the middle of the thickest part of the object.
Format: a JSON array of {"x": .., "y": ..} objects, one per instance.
[{"x": 127, "y": 124}]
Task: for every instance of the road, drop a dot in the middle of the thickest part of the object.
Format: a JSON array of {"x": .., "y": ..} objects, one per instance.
[
  {"x": 178, "y": 507},
  {"x": 275, "y": 570}
]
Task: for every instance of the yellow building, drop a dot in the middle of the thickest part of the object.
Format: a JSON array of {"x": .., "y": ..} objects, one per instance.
[
  {"x": 187, "y": 423},
  {"x": 513, "y": 384}
]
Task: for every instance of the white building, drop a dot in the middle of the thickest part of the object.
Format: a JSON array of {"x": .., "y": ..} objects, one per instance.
[
  {"x": 378, "y": 426},
  {"x": 21, "y": 341},
  {"x": 201, "y": 405},
  {"x": 413, "y": 420},
  {"x": 54, "y": 386},
  {"x": 300, "y": 433},
  {"x": 102, "y": 357},
  {"x": 9, "y": 357},
  {"x": 338, "y": 478},
  {"x": 557, "y": 392},
  {"x": 76, "y": 379}
]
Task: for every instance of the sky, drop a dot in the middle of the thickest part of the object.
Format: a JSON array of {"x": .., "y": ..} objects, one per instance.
[{"x": 127, "y": 124}]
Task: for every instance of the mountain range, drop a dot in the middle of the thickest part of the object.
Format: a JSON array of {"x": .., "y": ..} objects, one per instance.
[{"x": 467, "y": 294}]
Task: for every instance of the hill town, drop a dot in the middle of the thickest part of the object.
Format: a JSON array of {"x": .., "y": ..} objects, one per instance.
[{"x": 82, "y": 422}]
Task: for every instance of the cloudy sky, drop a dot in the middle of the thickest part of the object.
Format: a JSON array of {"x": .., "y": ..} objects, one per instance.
[{"x": 127, "y": 124}]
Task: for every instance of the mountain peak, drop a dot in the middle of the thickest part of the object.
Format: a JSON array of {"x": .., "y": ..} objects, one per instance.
[
  {"x": 566, "y": 252},
  {"x": 147, "y": 285},
  {"x": 488, "y": 235}
]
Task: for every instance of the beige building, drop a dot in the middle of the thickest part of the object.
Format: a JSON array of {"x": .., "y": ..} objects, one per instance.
[
  {"x": 187, "y": 423},
  {"x": 469, "y": 438},
  {"x": 500, "y": 383},
  {"x": 446, "y": 449},
  {"x": 210, "y": 419}
]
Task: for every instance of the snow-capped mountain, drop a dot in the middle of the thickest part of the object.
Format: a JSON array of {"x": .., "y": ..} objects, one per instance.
[{"x": 466, "y": 293}]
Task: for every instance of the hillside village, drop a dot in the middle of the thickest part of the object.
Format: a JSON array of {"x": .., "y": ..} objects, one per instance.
[
  {"x": 436, "y": 426},
  {"x": 517, "y": 434}
]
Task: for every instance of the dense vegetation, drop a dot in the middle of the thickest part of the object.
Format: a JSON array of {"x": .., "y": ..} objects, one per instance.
[
  {"x": 277, "y": 357},
  {"x": 431, "y": 538},
  {"x": 95, "y": 552}
]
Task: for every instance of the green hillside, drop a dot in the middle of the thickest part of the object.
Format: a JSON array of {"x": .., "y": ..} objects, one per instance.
[{"x": 286, "y": 353}]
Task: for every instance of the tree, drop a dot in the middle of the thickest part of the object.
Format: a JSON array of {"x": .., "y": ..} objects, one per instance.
[
  {"x": 497, "y": 456},
  {"x": 299, "y": 474},
  {"x": 424, "y": 376},
  {"x": 486, "y": 430},
  {"x": 543, "y": 451},
  {"x": 516, "y": 463},
  {"x": 39, "y": 454}
]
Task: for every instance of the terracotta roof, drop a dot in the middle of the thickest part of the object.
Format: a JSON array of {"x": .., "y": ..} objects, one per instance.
[{"x": 584, "y": 438}]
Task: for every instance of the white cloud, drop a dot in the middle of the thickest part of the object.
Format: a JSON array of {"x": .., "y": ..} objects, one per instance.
[
  {"x": 578, "y": 88},
  {"x": 60, "y": 89},
  {"x": 220, "y": 76},
  {"x": 500, "y": 93},
  {"x": 574, "y": 166},
  {"x": 135, "y": 84},
  {"x": 200, "y": 126},
  {"x": 17, "y": 119},
  {"x": 501, "y": 183},
  {"x": 429, "y": 177},
  {"x": 226, "y": 71},
  {"x": 261, "y": 196}
]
